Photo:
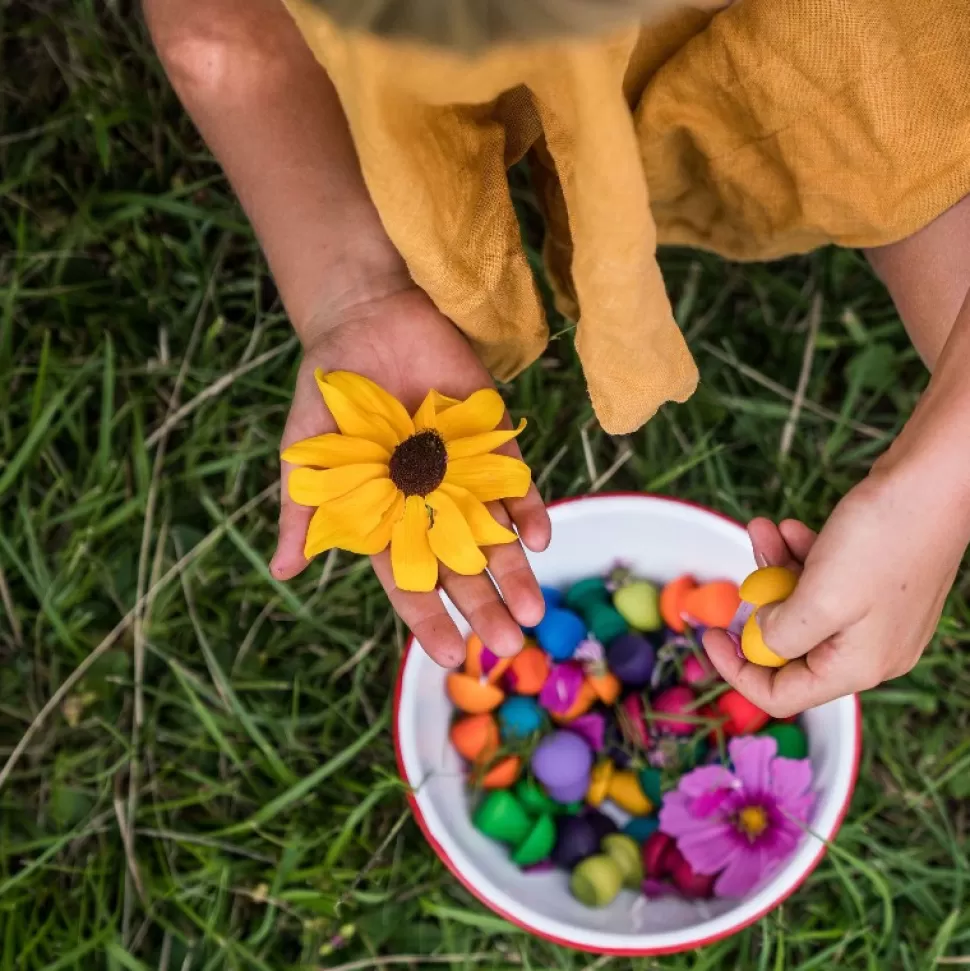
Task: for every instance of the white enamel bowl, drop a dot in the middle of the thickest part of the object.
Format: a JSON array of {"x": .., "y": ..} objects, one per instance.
[{"x": 660, "y": 538}]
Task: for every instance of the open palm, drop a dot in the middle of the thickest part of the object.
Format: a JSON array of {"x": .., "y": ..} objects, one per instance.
[{"x": 404, "y": 344}]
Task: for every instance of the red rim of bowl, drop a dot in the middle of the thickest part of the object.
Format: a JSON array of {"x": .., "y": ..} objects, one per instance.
[{"x": 615, "y": 951}]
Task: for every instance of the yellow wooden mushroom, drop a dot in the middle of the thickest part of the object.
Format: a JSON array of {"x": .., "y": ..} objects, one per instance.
[{"x": 770, "y": 584}]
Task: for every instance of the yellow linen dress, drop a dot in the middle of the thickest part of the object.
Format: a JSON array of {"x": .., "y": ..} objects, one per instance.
[{"x": 770, "y": 128}]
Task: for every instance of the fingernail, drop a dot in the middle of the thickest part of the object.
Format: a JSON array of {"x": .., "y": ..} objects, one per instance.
[
  {"x": 764, "y": 615},
  {"x": 761, "y": 560},
  {"x": 736, "y": 641}
]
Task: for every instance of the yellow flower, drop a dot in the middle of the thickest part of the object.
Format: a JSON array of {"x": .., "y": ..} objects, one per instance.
[{"x": 417, "y": 483}]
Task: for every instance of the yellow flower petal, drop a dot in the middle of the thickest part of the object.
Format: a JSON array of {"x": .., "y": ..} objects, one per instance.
[
  {"x": 371, "y": 397},
  {"x": 364, "y": 544},
  {"x": 378, "y": 540},
  {"x": 442, "y": 402},
  {"x": 346, "y": 522},
  {"x": 412, "y": 562},
  {"x": 485, "y": 530},
  {"x": 332, "y": 451},
  {"x": 352, "y": 420},
  {"x": 463, "y": 448},
  {"x": 451, "y": 538},
  {"x": 424, "y": 417},
  {"x": 314, "y": 487},
  {"x": 490, "y": 477},
  {"x": 479, "y": 413}
]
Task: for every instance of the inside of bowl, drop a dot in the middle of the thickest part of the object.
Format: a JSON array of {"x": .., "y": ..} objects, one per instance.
[{"x": 660, "y": 540}]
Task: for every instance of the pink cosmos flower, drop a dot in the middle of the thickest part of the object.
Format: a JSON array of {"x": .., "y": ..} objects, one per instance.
[{"x": 741, "y": 824}]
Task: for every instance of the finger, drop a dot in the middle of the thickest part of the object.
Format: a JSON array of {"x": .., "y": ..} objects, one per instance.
[
  {"x": 768, "y": 543},
  {"x": 802, "y": 684},
  {"x": 511, "y": 572},
  {"x": 425, "y": 615},
  {"x": 288, "y": 560},
  {"x": 529, "y": 513},
  {"x": 308, "y": 417},
  {"x": 798, "y": 537},
  {"x": 531, "y": 519},
  {"x": 481, "y": 605}
]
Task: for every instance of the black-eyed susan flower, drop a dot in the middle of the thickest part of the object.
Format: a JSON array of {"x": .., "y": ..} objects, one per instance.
[{"x": 418, "y": 483}]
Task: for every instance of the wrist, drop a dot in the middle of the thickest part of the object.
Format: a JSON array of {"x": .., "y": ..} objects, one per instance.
[
  {"x": 928, "y": 474},
  {"x": 351, "y": 286},
  {"x": 933, "y": 442}
]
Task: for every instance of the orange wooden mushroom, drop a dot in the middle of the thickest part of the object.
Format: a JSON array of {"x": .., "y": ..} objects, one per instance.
[
  {"x": 470, "y": 695},
  {"x": 473, "y": 655},
  {"x": 585, "y": 699},
  {"x": 503, "y": 774},
  {"x": 528, "y": 670},
  {"x": 475, "y": 661},
  {"x": 672, "y": 602},
  {"x": 607, "y": 686},
  {"x": 712, "y": 604},
  {"x": 475, "y": 737}
]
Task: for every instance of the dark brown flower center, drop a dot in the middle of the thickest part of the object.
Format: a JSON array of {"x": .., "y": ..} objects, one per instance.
[{"x": 418, "y": 464}]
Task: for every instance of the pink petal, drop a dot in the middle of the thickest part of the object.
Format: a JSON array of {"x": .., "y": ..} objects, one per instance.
[
  {"x": 742, "y": 874},
  {"x": 751, "y": 756},
  {"x": 782, "y": 837},
  {"x": 790, "y": 778},
  {"x": 800, "y": 809},
  {"x": 707, "y": 778},
  {"x": 677, "y": 818},
  {"x": 710, "y": 803},
  {"x": 710, "y": 851}
]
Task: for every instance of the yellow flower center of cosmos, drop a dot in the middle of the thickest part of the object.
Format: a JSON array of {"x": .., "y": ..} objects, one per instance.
[
  {"x": 419, "y": 463},
  {"x": 752, "y": 821}
]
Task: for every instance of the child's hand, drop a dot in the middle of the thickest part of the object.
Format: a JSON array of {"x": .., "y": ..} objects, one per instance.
[
  {"x": 404, "y": 344},
  {"x": 869, "y": 598}
]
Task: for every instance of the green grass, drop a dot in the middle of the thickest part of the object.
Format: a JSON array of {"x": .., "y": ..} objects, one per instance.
[{"x": 242, "y": 810}]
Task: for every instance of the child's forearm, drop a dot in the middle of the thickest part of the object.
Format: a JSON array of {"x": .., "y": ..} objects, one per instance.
[
  {"x": 929, "y": 278},
  {"x": 271, "y": 116},
  {"x": 928, "y": 275}
]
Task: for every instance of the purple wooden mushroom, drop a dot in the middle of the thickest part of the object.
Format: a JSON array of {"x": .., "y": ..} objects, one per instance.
[
  {"x": 631, "y": 658},
  {"x": 602, "y": 823},
  {"x": 561, "y": 688},
  {"x": 591, "y": 727},
  {"x": 562, "y": 763},
  {"x": 576, "y": 839}
]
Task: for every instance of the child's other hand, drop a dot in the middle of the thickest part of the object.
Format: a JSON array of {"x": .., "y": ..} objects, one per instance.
[
  {"x": 404, "y": 344},
  {"x": 871, "y": 592}
]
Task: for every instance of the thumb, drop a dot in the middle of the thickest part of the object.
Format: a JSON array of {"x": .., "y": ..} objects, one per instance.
[
  {"x": 288, "y": 560},
  {"x": 794, "y": 626}
]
